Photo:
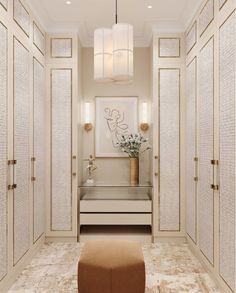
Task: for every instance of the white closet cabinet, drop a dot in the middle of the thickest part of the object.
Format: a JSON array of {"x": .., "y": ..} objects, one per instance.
[
  {"x": 21, "y": 150},
  {"x": 22, "y": 147},
  {"x": 228, "y": 151},
  {"x": 62, "y": 145},
  {"x": 206, "y": 149},
  {"x": 211, "y": 202},
  {"x": 191, "y": 149},
  {"x": 3, "y": 151},
  {"x": 38, "y": 159}
]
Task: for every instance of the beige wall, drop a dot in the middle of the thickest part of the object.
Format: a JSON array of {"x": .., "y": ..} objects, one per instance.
[{"x": 115, "y": 170}]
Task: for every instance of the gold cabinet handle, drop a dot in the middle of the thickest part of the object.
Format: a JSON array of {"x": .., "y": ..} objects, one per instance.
[
  {"x": 12, "y": 174},
  {"x": 33, "y": 177},
  {"x": 156, "y": 174},
  {"x": 74, "y": 166}
]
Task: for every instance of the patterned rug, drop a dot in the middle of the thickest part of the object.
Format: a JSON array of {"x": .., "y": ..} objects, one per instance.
[{"x": 169, "y": 269}]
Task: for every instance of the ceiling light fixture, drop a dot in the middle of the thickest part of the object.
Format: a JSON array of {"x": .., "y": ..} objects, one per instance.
[
  {"x": 113, "y": 53},
  {"x": 68, "y": 2},
  {"x": 149, "y": 6}
]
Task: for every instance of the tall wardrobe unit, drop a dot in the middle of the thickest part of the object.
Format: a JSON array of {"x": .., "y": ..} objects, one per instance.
[
  {"x": 62, "y": 132},
  {"x": 168, "y": 168},
  {"x": 210, "y": 139},
  {"x": 22, "y": 128}
]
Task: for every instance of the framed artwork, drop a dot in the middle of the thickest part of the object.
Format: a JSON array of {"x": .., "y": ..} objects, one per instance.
[{"x": 115, "y": 116}]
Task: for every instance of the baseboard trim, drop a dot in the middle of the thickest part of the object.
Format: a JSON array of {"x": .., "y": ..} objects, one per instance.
[
  {"x": 12, "y": 275},
  {"x": 50, "y": 239},
  {"x": 170, "y": 239},
  {"x": 208, "y": 267}
]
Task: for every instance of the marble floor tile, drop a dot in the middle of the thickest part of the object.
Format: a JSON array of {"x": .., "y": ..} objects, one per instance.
[{"x": 169, "y": 269}]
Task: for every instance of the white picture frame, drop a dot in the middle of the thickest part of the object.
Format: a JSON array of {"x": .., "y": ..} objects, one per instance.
[{"x": 115, "y": 116}]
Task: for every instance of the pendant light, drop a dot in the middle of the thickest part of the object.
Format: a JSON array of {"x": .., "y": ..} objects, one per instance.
[
  {"x": 103, "y": 58},
  {"x": 113, "y": 53},
  {"x": 122, "y": 51}
]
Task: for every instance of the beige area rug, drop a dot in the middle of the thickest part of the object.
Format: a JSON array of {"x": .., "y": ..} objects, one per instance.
[{"x": 169, "y": 269}]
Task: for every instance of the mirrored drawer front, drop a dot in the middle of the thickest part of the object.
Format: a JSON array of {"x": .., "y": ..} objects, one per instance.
[
  {"x": 115, "y": 206},
  {"x": 115, "y": 219}
]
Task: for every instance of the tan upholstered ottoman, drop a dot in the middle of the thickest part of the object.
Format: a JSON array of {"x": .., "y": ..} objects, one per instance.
[{"x": 111, "y": 267}]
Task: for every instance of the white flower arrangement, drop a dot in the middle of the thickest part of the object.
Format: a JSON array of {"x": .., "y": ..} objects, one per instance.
[{"x": 132, "y": 144}]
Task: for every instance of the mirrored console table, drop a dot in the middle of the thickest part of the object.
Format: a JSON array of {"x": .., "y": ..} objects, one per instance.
[{"x": 116, "y": 204}]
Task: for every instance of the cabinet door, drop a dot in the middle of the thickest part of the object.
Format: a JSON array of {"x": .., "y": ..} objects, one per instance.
[
  {"x": 3, "y": 150},
  {"x": 227, "y": 151},
  {"x": 191, "y": 134},
  {"x": 61, "y": 144},
  {"x": 21, "y": 150},
  {"x": 206, "y": 150},
  {"x": 169, "y": 149},
  {"x": 38, "y": 162}
]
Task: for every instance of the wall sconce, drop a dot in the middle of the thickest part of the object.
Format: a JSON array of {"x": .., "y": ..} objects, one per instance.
[
  {"x": 87, "y": 117},
  {"x": 144, "y": 125}
]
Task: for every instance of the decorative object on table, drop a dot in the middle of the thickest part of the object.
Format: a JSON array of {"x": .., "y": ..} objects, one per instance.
[
  {"x": 115, "y": 117},
  {"x": 134, "y": 145},
  {"x": 90, "y": 169}
]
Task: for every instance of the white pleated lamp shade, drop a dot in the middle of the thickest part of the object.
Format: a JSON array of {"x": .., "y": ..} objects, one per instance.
[
  {"x": 122, "y": 52},
  {"x": 103, "y": 59}
]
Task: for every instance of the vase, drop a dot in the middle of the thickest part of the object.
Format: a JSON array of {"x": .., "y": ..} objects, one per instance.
[{"x": 134, "y": 171}]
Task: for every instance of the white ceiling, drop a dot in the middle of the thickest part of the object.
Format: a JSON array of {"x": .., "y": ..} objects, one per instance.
[{"x": 83, "y": 16}]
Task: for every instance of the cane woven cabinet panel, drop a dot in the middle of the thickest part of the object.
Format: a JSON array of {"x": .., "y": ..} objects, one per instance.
[
  {"x": 61, "y": 48},
  {"x": 222, "y": 2},
  {"x": 39, "y": 148},
  {"x": 206, "y": 16},
  {"x": 61, "y": 133},
  {"x": 21, "y": 150},
  {"x": 39, "y": 39},
  {"x": 169, "y": 97},
  {"x": 191, "y": 103},
  {"x": 3, "y": 150},
  {"x": 227, "y": 150},
  {"x": 4, "y": 3},
  {"x": 21, "y": 16},
  {"x": 206, "y": 128},
  {"x": 191, "y": 37}
]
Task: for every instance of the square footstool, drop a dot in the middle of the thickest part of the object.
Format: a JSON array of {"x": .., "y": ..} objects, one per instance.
[{"x": 111, "y": 267}]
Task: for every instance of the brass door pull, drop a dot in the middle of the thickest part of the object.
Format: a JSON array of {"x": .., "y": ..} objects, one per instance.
[{"x": 214, "y": 187}]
